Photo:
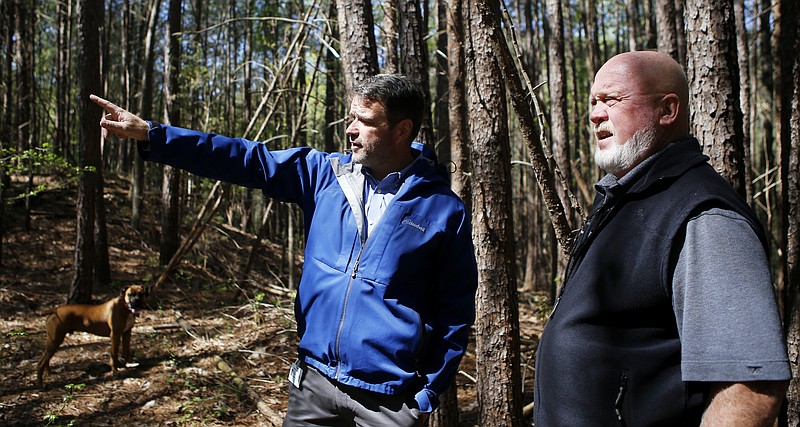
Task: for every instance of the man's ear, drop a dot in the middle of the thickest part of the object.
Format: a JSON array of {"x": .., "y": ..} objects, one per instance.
[
  {"x": 669, "y": 109},
  {"x": 403, "y": 129}
]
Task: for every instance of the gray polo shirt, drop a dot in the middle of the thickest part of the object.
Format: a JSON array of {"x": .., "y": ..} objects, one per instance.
[{"x": 723, "y": 299}]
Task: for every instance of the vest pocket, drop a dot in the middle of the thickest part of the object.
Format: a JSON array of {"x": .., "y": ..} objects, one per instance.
[{"x": 620, "y": 400}]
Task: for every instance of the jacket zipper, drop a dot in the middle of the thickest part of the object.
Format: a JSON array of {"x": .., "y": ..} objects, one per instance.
[
  {"x": 350, "y": 283},
  {"x": 344, "y": 311}
]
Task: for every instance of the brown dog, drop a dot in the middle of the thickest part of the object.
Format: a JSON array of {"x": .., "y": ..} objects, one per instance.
[{"x": 113, "y": 319}]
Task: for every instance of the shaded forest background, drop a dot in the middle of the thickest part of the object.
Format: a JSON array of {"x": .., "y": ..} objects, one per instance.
[{"x": 508, "y": 87}]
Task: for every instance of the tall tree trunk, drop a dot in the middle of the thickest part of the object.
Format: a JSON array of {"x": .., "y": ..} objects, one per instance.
[
  {"x": 447, "y": 414},
  {"x": 667, "y": 40},
  {"x": 357, "y": 40},
  {"x": 680, "y": 30},
  {"x": 790, "y": 174},
  {"x": 631, "y": 7},
  {"x": 332, "y": 103},
  {"x": 497, "y": 326},
  {"x": 713, "y": 73},
  {"x": 171, "y": 184},
  {"x": 90, "y": 15},
  {"x": 765, "y": 156},
  {"x": 593, "y": 58},
  {"x": 743, "y": 52},
  {"x": 459, "y": 131},
  {"x": 145, "y": 110},
  {"x": 441, "y": 113},
  {"x": 390, "y": 36},
  {"x": 24, "y": 37},
  {"x": 557, "y": 83},
  {"x": 414, "y": 58},
  {"x": 63, "y": 17},
  {"x": 7, "y": 13}
]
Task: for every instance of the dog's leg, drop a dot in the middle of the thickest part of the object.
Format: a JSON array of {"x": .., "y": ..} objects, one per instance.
[
  {"x": 126, "y": 346},
  {"x": 114, "y": 350},
  {"x": 55, "y": 336}
]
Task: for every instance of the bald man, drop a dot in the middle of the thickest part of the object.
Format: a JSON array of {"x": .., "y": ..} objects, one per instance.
[{"x": 667, "y": 315}]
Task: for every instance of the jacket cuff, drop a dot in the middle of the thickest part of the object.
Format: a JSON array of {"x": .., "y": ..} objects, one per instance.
[
  {"x": 427, "y": 401},
  {"x": 156, "y": 132}
]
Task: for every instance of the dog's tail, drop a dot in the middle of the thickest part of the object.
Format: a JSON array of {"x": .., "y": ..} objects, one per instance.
[{"x": 48, "y": 312}]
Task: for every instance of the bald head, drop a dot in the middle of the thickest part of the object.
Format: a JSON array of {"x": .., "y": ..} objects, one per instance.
[
  {"x": 639, "y": 105},
  {"x": 656, "y": 73}
]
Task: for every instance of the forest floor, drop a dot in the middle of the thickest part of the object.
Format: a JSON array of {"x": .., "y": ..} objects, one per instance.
[{"x": 208, "y": 350}]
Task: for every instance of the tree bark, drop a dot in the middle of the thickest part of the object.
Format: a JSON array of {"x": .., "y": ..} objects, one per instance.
[
  {"x": 357, "y": 40},
  {"x": 713, "y": 73},
  {"x": 743, "y": 53},
  {"x": 497, "y": 326},
  {"x": 667, "y": 40},
  {"x": 414, "y": 58},
  {"x": 790, "y": 174},
  {"x": 90, "y": 20},
  {"x": 390, "y": 36},
  {"x": 459, "y": 130},
  {"x": 557, "y": 83}
]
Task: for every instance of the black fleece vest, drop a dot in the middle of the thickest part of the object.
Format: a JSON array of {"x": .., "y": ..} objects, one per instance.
[{"x": 610, "y": 354}]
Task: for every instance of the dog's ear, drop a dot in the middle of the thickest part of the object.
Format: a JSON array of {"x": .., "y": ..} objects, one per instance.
[
  {"x": 122, "y": 292},
  {"x": 146, "y": 291}
]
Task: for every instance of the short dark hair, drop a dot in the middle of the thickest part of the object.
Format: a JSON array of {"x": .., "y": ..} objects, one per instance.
[{"x": 401, "y": 97}]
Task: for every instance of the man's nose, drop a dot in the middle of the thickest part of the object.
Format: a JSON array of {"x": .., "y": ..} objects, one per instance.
[
  {"x": 351, "y": 129},
  {"x": 598, "y": 114}
]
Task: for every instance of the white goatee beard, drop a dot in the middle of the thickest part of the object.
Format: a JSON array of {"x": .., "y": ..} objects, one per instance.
[{"x": 622, "y": 157}]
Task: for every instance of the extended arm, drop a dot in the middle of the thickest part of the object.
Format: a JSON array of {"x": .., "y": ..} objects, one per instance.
[{"x": 744, "y": 404}]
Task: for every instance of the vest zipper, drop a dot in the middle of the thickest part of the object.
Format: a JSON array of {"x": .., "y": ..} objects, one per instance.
[{"x": 623, "y": 388}]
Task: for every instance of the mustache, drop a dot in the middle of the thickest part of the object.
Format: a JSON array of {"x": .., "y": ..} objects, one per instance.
[{"x": 603, "y": 127}]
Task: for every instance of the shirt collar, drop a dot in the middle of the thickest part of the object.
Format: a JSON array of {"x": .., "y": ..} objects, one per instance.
[{"x": 393, "y": 180}]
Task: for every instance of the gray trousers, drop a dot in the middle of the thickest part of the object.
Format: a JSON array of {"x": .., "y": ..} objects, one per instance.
[{"x": 320, "y": 401}]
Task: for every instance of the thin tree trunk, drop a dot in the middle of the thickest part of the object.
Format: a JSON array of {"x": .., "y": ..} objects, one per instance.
[
  {"x": 25, "y": 98},
  {"x": 557, "y": 82},
  {"x": 63, "y": 17},
  {"x": 593, "y": 58},
  {"x": 390, "y": 36},
  {"x": 441, "y": 113},
  {"x": 171, "y": 184},
  {"x": 145, "y": 110},
  {"x": 6, "y": 130},
  {"x": 667, "y": 40},
  {"x": 459, "y": 131},
  {"x": 332, "y": 103},
  {"x": 743, "y": 52},
  {"x": 633, "y": 24}
]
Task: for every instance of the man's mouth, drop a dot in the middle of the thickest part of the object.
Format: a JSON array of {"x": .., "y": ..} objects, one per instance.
[{"x": 603, "y": 134}]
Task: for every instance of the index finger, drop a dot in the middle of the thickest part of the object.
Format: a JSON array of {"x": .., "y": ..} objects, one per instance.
[{"x": 106, "y": 104}]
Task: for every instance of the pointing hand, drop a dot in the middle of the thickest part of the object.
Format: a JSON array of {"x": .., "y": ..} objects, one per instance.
[{"x": 121, "y": 122}]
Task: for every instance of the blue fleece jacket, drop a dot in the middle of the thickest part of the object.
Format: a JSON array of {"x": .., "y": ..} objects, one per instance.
[{"x": 389, "y": 313}]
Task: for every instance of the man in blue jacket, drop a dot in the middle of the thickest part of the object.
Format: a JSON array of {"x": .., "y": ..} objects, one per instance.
[{"x": 386, "y": 299}]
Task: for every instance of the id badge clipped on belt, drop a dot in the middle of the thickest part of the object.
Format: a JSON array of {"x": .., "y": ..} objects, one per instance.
[{"x": 296, "y": 374}]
